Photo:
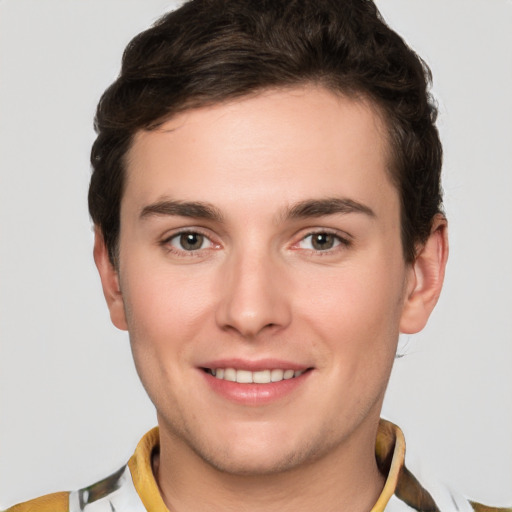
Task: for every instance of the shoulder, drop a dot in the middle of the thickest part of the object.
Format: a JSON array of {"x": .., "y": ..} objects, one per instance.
[
  {"x": 56, "y": 502},
  {"x": 119, "y": 491},
  {"x": 116, "y": 492},
  {"x": 405, "y": 491},
  {"x": 478, "y": 507}
]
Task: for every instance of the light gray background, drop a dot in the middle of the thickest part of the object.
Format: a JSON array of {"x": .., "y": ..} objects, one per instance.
[{"x": 72, "y": 409}]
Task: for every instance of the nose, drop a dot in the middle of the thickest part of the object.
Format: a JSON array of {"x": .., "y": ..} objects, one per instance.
[{"x": 253, "y": 296}]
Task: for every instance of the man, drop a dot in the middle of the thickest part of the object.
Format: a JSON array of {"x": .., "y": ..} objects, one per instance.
[{"x": 268, "y": 219}]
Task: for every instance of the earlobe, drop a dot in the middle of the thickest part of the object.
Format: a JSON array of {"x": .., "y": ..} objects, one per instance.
[
  {"x": 109, "y": 281},
  {"x": 426, "y": 278}
]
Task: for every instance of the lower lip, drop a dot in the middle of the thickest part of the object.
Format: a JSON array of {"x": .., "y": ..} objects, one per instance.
[{"x": 254, "y": 394}]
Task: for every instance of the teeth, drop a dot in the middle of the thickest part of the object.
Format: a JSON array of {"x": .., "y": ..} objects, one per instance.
[
  {"x": 262, "y": 377},
  {"x": 229, "y": 374},
  {"x": 244, "y": 376},
  {"x": 276, "y": 375},
  {"x": 259, "y": 377}
]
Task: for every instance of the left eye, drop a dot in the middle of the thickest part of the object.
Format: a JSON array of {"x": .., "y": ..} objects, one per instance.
[
  {"x": 190, "y": 241},
  {"x": 320, "y": 241}
]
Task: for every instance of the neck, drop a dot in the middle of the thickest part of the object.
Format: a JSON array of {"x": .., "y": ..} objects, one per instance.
[{"x": 347, "y": 478}]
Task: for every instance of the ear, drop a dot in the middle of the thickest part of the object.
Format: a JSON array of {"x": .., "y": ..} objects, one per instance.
[
  {"x": 425, "y": 278},
  {"x": 109, "y": 281}
]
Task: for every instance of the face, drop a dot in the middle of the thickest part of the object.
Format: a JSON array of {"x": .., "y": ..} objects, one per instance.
[{"x": 262, "y": 278}]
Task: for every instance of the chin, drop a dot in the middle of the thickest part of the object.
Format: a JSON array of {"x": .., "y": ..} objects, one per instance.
[
  {"x": 265, "y": 453},
  {"x": 256, "y": 464}
]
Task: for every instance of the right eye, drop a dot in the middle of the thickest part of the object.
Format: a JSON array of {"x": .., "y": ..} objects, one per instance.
[{"x": 189, "y": 241}]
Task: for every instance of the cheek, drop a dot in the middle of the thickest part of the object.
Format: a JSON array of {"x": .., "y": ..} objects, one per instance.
[
  {"x": 164, "y": 304},
  {"x": 165, "y": 313},
  {"x": 357, "y": 307}
]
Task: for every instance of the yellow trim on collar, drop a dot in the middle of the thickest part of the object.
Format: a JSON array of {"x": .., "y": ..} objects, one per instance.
[
  {"x": 389, "y": 438},
  {"x": 142, "y": 472}
]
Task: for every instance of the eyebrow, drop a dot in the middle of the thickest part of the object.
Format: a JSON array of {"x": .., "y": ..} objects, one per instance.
[
  {"x": 300, "y": 210},
  {"x": 327, "y": 206},
  {"x": 194, "y": 209}
]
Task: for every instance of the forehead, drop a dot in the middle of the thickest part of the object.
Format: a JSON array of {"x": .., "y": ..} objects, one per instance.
[{"x": 275, "y": 147}]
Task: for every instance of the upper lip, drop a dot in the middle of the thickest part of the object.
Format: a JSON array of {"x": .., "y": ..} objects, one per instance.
[{"x": 255, "y": 365}]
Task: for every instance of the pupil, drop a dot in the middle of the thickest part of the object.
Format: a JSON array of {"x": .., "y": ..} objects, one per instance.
[
  {"x": 323, "y": 241},
  {"x": 191, "y": 241}
]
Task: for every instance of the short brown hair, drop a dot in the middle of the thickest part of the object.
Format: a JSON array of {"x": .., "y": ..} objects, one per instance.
[{"x": 210, "y": 51}]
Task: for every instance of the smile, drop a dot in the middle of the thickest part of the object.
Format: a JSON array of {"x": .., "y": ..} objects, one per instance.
[{"x": 257, "y": 377}]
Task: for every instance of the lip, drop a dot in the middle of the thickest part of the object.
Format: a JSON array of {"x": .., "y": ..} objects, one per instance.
[
  {"x": 254, "y": 366},
  {"x": 254, "y": 394}
]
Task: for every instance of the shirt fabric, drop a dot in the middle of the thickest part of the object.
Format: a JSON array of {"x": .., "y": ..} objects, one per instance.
[{"x": 133, "y": 488}]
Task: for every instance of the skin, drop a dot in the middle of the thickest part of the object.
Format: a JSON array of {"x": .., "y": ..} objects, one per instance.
[{"x": 257, "y": 288}]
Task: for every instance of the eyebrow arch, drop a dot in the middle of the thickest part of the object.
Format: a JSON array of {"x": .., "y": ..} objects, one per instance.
[
  {"x": 328, "y": 206},
  {"x": 194, "y": 209}
]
